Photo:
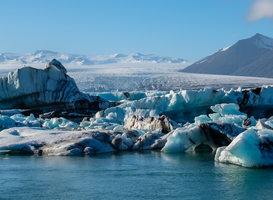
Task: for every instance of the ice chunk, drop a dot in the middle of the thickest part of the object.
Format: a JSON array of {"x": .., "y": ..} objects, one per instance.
[
  {"x": 125, "y": 140},
  {"x": 22, "y": 120},
  {"x": 151, "y": 140},
  {"x": 151, "y": 123},
  {"x": 6, "y": 122},
  {"x": 209, "y": 133},
  {"x": 60, "y": 123},
  {"x": 261, "y": 124},
  {"x": 231, "y": 119},
  {"x": 10, "y": 112},
  {"x": 250, "y": 149},
  {"x": 18, "y": 117},
  {"x": 118, "y": 128},
  {"x": 227, "y": 109},
  {"x": 201, "y": 119},
  {"x": 183, "y": 139},
  {"x": 101, "y": 123},
  {"x": 269, "y": 123},
  {"x": 228, "y": 113}
]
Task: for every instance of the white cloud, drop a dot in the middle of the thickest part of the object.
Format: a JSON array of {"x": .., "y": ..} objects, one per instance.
[{"x": 260, "y": 9}]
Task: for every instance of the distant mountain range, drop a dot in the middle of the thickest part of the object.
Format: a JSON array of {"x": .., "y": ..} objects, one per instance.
[
  {"x": 248, "y": 57},
  {"x": 43, "y": 56}
]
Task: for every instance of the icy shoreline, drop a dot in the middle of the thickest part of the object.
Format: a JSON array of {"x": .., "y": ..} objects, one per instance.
[
  {"x": 234, "y": 136},
  {"x": 236, "y": 124}
]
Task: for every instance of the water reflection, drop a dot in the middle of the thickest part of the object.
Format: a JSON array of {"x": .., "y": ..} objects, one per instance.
[
  {"x": 189, "y": 156},
  {"x": 131, "y": 175},
  {"x": 254, "y": 182}
]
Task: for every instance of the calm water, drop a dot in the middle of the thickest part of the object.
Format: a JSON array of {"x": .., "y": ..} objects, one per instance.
[{"x": 131, "y": 175}]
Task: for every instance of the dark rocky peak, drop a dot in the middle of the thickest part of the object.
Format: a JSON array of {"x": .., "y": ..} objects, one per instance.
[{"x": 259, "y": 41}]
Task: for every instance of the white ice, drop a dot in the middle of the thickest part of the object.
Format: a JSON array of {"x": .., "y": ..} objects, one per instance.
[
  {"x": 60, "y": 123},
  {"x": 54, "y": 142},
  {"x": 250, "y": 149}
]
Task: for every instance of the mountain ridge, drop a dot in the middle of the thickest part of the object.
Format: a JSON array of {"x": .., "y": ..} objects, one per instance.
[
  {"x": 45, "y": 56},
  {"x": 238, "y": 59}
]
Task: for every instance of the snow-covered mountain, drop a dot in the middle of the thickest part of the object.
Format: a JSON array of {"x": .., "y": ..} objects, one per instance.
[
  {"x": 43, "y": 56},
  {"x": 248, "y": 57}
]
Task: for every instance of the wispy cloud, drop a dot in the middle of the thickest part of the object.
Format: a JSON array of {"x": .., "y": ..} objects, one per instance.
[{"x": 260, "y": 9}]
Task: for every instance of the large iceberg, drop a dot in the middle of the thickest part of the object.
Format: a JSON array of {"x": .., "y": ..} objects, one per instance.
[
  {"x": 48, "y": 90},
  {"x": 252, "y": 148}
]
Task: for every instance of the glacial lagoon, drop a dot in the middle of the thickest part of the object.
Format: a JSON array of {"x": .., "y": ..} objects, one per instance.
[{"x": 131, "y": 175}]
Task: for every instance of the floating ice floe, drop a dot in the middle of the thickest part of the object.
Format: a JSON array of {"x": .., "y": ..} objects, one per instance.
[
  {"x": 59, "y": 142},
  {"x": 211, "y": 134},
  {"x": 19, "y": 120},
  {"x": 249, "y": 149}
]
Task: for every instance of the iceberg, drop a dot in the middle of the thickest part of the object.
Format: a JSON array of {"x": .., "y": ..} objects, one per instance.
[
  {"x": 255, "y": 102},
  {"x": 183, "y": 106},
  {"x": 151, "y": 140},
  {"x": 60, "y": 123},
  {"x": 19, "y": 120},
  {"x": 6, "y": 122},
  {"x": 126, "y": 140},
  {"x": 50, "y": 89},
  {"x": 252, "y": 148},
  {"x": 43, "y": 141},
  {"x": 180, "y": 106},
  {"x": 226, "y": 113},
  {"x": 218, "y": 120},
  {"x": 211, "y": 134},
  {"x": 163, "y": 123}
]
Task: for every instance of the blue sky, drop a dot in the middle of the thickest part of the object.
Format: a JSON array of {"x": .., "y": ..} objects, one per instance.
[{"x": 188, "y": 29}]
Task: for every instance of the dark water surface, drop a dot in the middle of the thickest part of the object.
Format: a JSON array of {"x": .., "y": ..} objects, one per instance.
[{"x": 131, "y": 175}]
